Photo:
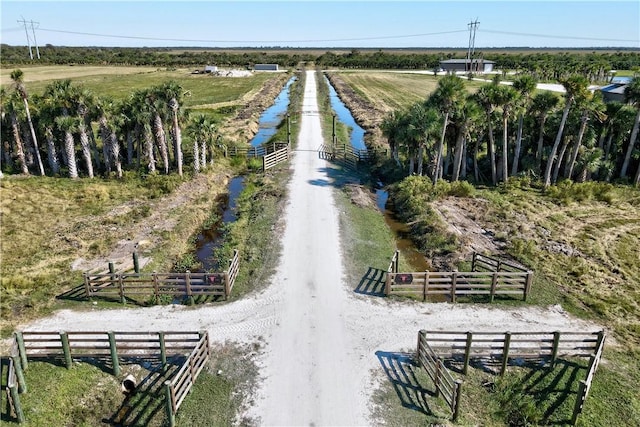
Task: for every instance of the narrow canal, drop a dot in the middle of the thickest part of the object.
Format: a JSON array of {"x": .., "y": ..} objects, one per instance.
[
  {"x": 408, "y": 251},
  {"x": 273, "y": 116}
]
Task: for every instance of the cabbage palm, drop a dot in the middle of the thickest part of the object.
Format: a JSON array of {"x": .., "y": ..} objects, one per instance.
[
  {"x": 172, "y": 92},
  {"x": 12, "y": 111},
  {"x": 69, "y": 125},
  {"x": 467, "y": 113},
  {"x": 17, "y": 77},
  {"x": 487, "y": 98},
  {"x": 574, "y": 86},
  {"x": 507, "y": 98},
  {"x": 632, "y": 95},
  {"x": 543, "y": 105},
  {"x": 591, "y": 105},
  {"x": 524, "y": 85},
  {"x": 200, "y": 130},
  {"x": 158, "y": 106},
  {"x": 448, "y": 94}
]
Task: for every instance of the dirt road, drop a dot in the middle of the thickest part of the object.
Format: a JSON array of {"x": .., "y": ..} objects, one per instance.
[{"x": 319, "y": 365}]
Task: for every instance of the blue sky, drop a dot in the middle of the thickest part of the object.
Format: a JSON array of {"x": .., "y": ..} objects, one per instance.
[{"x": 324, "y": 23}]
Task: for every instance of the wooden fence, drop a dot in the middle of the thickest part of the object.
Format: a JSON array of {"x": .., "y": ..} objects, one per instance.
[
  {"x": 459, "y": 283},
  {"x": 257, "y": 151},
  {"x": 127, "y": 284},
  {"x": 434, "y": 346},
  {"x": 116, "y": 347},
  {"x": 275, "y": 158},
  {"x": 446, "y": 386}
]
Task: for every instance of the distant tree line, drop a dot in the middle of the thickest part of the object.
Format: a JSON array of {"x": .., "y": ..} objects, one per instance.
[{"x": 594, "y": 65}]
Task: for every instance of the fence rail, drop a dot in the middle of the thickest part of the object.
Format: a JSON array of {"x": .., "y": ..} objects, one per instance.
[
  {"x": 275, "y": 158},
  {"x": 453, "y": 284},
  {"x": 257, "y": 151},
  {"x": 445, "y": 384},
  {"x": 190, "y": 285}
]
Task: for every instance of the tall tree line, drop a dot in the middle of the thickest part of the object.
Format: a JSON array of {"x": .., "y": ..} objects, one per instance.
[
  {"x": 80, "y": 134},
  {"x": 510, "y": 130}
]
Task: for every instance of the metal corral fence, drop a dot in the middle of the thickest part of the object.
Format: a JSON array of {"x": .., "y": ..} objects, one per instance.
[
  {"x": 435, "y": 346},
  {"x": 497, "y": 281},
  {"x": 128, "y": 284},
  {"x": 277, "y": 157},
  {"x": 114, "y": 347}
]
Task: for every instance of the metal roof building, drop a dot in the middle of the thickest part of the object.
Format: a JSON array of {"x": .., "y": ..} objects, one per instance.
[{"x": 465, "y": 65}]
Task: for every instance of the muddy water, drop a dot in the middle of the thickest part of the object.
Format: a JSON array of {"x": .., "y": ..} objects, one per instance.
[
  {"x": 211, "y": 238},
  {"x": 408, "y": 251}
]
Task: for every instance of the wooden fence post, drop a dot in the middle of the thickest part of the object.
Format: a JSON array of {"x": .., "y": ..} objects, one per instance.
[
  {"x": 171, "y": 416},
  {"x": 64, "y": 338},
  {"x": 163, "y": 351},
  {"x": 554, "y": 348},
  {"x": 456, "y": 402},
  {"x": 22, "y": 384},
  {"x": 580, "y": 398},
  {"x": 21, "y": 350},
  {"x": 136, "y": 263},
  {"x": 467, "y": 353},
  {"x": 396, "y": 266},
  {"x": 114, "y": 353},
  {"x": 473, "y": 261},
  {"x": 527, "y": 286},
  {"x": 387, "y": 284},
  {"x": 15, "y": 397},
  {"x": 426, "y": 286},
  {"x": 123, "y": 299},
  {"x": 494, "y": 282},
  {"x": 187, "y": 283},
  {"x": 86, "y": 285},
  {"x": 454, "y": 281},
  {"x": 156, "y": 290},
  {"x": 505, "y": 353},
  {"x": 227, "y": 285}
]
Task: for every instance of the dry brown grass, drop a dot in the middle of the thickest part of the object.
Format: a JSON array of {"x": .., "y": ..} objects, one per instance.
[{"x": 54, "y": 72}]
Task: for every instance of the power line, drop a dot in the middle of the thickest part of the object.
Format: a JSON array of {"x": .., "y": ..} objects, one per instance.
[
  {"x": 249, "y": 41},
  {"x": 549, "y": 36}
]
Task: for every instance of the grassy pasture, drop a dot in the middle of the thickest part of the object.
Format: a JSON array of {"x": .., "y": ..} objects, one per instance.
[
  {"x": 203, "y": 90},
  {"x": 392, "y": 90}
]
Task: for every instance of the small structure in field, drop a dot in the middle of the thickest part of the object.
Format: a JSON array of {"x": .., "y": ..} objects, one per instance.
[
  {"x": 266, "y": 67},
  {"x": 210, "y": 69},
  {"x": 466, "y": 65}
]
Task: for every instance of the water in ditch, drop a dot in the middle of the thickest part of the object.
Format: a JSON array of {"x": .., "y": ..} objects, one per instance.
[
  {"x": 344, "y": 115},
  {"x": 414, "y": 258},
  {"x": 210, "y": 238},
  {"x": 273, "y": 116}
]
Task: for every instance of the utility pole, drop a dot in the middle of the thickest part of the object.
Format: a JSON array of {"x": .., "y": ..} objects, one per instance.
[
  {"x": 473, "y": 26},
  {"x": 33, "y": 31},
  {"x": 26, "y": 31}
]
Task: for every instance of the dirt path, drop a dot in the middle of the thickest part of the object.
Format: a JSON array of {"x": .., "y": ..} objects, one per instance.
[{"x": 320, "y": 362}]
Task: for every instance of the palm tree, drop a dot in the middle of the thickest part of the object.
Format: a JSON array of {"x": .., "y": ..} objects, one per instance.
[
  {"x": 69, "y": 125},
  {"x": 543, "y": 104},
  {"x": 486, "y": 97},
  {"x": 158, "y": 110},
  {"x": 632, "y": 95},
  {"x": 110, "y": 144},
  {"x": 17, "y": 77},
  {"x": 200, "y": 130},
  {"x": 507, "y": 97},
  {"x": 448, "y": 94},
  {"x": 591, "y": 105},
  {"x": 525, "y": 85},
  {"x": 390, "y": 127},
  {"x": 466, "y": 115},
  {"x": 173, "y": 93},
  {"x": 574, "y": 86},
  {"x": 82, "y": 98},
  {"x": 11, "y": 109}
]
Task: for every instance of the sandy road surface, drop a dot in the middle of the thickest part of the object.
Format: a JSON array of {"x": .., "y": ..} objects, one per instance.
[{"x": 319, "y": 365}]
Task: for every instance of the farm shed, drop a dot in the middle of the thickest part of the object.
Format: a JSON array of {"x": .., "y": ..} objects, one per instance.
[
  {"x": 210, "y": 69},
  {"x": 266, "y": 67},
  {"x": 462, "y": 65},
  {"x": 614, "y": 91}
]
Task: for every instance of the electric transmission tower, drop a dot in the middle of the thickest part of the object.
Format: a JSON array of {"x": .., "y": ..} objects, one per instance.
[
  {"x": 33, "y": 32},
  {"x": 473, "y": 26}
]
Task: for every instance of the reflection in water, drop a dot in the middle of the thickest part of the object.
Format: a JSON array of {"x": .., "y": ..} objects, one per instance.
[
  {"x": 211, "y": 238},
  {"x": 272, "y": 116},
  {"x": 344, "y": 115}
]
